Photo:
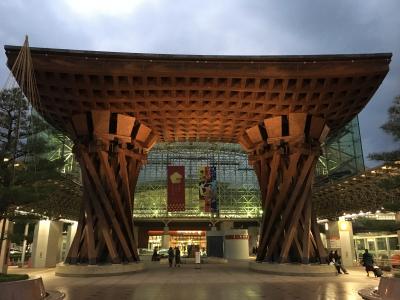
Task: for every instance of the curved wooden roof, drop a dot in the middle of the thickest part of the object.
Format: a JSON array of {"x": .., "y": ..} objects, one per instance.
[{"x": 207, "y": 98}]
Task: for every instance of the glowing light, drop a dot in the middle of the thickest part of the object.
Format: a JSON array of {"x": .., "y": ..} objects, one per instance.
[
  {"x": 326, "y": 226},
  {"x": 6, "y": 159}
]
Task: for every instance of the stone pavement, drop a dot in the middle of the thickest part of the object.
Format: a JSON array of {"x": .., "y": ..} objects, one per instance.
[{"x": 219, "y": 281}]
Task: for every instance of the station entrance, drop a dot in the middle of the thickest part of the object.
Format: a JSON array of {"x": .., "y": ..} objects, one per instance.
[
  {"x": 117, "y": 106},
  {"x": 185, "y": 240}
]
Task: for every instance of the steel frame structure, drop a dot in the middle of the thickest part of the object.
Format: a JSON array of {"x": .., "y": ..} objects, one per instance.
[{"x": 237, "y": 187}]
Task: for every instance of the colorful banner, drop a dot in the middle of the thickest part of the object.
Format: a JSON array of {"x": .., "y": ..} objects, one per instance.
[
  {"x": 208, "y": 189},
  {"x": 176, "y": 188}
]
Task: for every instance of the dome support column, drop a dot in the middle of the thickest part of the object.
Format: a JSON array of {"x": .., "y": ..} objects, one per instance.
[
  {"x": 110, "y": 149},
  {"x": 284, "y": 151}
]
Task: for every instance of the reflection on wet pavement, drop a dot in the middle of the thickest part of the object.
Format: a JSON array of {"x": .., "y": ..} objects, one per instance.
[{"x": 230, "y": 281}]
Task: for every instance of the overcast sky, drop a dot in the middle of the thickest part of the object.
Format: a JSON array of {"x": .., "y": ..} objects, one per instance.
[{"x": 247, "y": 27}]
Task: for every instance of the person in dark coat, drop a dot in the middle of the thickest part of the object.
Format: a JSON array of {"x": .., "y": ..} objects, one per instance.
[
  {"x": 170, "y": 256},
  {"x": 177, "y": 257},
  {"x": 368, "y": 262},
  {"x": 155, "y": 255},
  {"x": 330, "y": 258},
  {"x": 338, "y": 263}
]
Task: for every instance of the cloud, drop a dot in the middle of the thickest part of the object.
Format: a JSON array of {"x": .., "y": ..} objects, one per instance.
[
  {"x": 219, "y": 27},
  {"x": 94, "y": 8}
]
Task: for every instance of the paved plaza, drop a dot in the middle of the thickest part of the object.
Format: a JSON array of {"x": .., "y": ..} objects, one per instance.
[{"x": 229, "y": 281}]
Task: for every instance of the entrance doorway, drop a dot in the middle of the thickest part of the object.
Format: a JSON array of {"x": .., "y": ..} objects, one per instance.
[{"x": 183, "y": 239}]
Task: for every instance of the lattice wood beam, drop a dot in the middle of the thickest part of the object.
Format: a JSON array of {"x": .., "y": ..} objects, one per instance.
[
  {"x": 284, "y": 151},
  {"x": 203, "y": 98},
  {"x": 110, "y": 149}
]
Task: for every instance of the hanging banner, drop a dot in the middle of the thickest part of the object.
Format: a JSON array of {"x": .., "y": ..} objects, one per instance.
[
  {"x": 176, "y": 188},
  {"x": 208, "y": 189}
]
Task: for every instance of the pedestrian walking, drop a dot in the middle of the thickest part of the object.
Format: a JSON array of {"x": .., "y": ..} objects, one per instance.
[
  {"x": 155, "y": 255},
  {"x": 368, "y": 262},
  {"x": 177, "y": 257},
  {"x": 330, "y": 258},
  {"x": 170, "y": 256},
  {"x": 339, "y": 264}
]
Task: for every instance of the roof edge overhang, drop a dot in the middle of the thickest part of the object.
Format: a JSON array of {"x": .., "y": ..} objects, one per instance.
[{"x": 214, "y": 58}]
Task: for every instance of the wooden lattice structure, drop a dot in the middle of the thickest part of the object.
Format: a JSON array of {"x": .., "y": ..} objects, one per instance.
[
  {"x": 110, "y": 148},
  {"x": 284, "y": 151},
  {"x": 200, "y": 98}
]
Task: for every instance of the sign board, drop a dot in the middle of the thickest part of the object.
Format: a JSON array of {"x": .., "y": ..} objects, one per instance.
[{"x": 176, "y": 188}]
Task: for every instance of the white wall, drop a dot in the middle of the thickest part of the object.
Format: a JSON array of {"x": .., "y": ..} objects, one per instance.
[
  {"x": 346, "y": 242},
  {"x": 47, "y": 242},
  {"x": 340, "y": 237},
  {"x": 236, "y": 244},
  {"x": 5, "y": 245}
]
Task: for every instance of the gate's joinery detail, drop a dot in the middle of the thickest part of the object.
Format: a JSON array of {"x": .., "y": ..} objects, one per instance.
[
  {"x": 284, "y": 151},
  {"x": 110, "y": 149}
]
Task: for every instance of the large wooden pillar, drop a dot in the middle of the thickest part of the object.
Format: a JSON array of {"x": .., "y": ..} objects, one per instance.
[
  {"x": 284, "y": 151},
  {"x": 110, "y": 149}
]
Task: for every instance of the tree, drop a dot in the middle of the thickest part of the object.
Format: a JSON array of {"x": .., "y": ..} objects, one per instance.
[
  {"x": 26, "y": 174},
  {"x": 24, "y": 166},
  {"x": 392, "y": 127}
]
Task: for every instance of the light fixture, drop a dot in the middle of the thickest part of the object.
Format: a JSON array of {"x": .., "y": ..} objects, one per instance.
[
  {"x": 343, "y": 226},
  {"x": 6, "y": 159}
]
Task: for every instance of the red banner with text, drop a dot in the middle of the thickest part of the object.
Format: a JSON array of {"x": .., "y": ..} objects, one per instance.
[{"x": 176, "y": 188}]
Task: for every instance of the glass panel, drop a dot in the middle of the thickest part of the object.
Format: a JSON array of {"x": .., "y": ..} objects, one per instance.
[
  {"x": 381, "y": 243},
  {"x": 393, "y": 243},
  {"x": 238, "y": 194},
  {"x": 341, "y": 156},
  {"x": 371, "y": 245},
  {"x": 360, "y": 244}
]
